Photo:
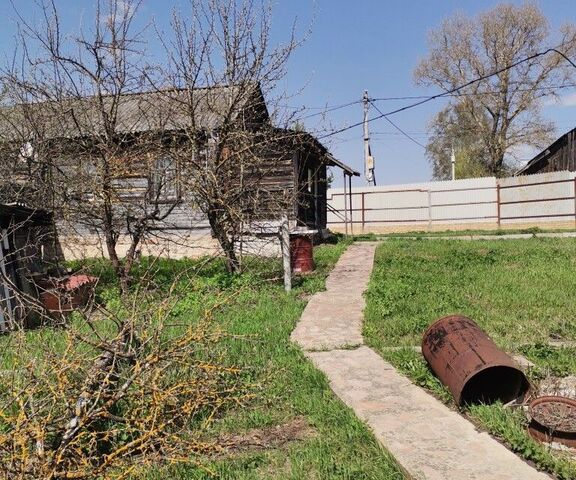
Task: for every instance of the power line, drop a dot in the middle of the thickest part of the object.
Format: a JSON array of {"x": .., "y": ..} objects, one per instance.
[
  {"x": 396, "y": 126},
  {"x": 449, "y": 92},
  {"x": 421, "y": 136},
  {"x": 474, "y": 94},
  {"x": 417, "y": 134},
  {"x": 329, "y": 109}
]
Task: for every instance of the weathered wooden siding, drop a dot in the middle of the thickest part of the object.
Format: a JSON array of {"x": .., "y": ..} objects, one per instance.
[
  {"x": 560, "y": 156},
  {"x": 273, "y": 183},
  {"x": 276, "y": 175},
  {"x": 184, "y": 217}
]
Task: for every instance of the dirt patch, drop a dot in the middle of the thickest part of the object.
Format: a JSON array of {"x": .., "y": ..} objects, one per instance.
[
  {"x": 304, "y": 296},
  {"x": 559, "y": 343},
  {"x": 267, "y": 438},
  {"x": 564, "y": 387}
]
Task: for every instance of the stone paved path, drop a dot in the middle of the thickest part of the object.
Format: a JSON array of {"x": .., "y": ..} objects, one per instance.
[
  {"x": 488, "y": 236},
  {"x": 428, "y": 439},
  {"x": 333, "y": 319}
]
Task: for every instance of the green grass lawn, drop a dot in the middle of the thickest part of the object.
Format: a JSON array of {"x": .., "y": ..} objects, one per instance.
[
  {"x": 521, "y": 292},
  {"x": 281, "y": 387},
  {"x": 286, "y": 386}
]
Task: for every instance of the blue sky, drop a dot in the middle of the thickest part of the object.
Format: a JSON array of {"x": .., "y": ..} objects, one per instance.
[{"x": 353, "y": 45}]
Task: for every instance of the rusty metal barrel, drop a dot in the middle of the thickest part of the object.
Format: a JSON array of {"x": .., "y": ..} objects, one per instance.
[
  {"x": 470, "y": 364},
  {"x": 301, "y": 253}
]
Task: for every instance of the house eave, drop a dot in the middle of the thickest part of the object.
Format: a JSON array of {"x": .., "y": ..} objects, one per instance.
[{"x": 334, "y": 162}]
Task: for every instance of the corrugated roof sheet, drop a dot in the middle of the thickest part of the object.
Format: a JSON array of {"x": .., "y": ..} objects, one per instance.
[
  {"x": 138, "y": 112},
  {"x": 166, "y": 110}
]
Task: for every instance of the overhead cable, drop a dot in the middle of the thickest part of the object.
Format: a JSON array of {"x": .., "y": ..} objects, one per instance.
[{"x": 449, "y": 92}]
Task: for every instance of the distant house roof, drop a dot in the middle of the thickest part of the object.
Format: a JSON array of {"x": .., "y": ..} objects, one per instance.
[
  {"x": 163, "y": 110},
  {"x": 540, "y": 161}
]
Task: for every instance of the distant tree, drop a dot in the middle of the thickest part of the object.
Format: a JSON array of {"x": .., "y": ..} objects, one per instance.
[
  {"x": 450, "y": 129},
  {"x": 493, "y": 116},
  {"x": 467, "y": 166}
]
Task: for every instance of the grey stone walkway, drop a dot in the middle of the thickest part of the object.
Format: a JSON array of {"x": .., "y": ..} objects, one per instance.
[
  {"x": 487, "y": 236},
  {"x": 333, "y": 319},
  {"x": 428, "y": 439}
]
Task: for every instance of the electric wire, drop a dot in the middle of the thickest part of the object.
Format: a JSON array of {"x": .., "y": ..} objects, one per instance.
[
  {"x": 449, "y": 92},
  {"x": 329, "y": 109},
  {"x": 474, "y": 94},
  {"x": 396, "y": 126}
]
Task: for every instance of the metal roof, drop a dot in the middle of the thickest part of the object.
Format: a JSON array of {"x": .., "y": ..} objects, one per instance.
[{"x": 164, "y": 110}]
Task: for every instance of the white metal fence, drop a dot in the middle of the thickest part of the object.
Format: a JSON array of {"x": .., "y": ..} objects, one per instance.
[{"x": 543, "y": 200}]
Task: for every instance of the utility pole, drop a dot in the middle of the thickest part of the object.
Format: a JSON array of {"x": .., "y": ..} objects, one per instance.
[
  {"x": 453, "y": 160},
  {"x": 368, "y": 158}
]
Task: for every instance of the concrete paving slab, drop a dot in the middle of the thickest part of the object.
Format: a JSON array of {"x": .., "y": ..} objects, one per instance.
[
  {"x": 333, "y": 319},
  {"x": 428, "y": 439},
  {"x": 505, "y": 236}
]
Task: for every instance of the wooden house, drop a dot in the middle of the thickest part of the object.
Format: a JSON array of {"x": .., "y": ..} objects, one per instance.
[
  {"x": 559, "y": 156},
  {"x": 291, "y": 178}
]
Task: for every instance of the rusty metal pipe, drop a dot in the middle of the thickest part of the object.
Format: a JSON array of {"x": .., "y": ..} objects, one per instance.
[{"x": 470, "y": 364}]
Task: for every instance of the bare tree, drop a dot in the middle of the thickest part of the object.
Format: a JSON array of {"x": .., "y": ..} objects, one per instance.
[
  {"x": 503, "y": 110},
  {"x": 124, "y": 387},
  {"x": 92, "y": 145},
  {"x": 232, "y": 158},
  {"x": 118, "y": 146}
]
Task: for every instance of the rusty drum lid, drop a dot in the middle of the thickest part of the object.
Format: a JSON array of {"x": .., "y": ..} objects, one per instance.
[
  {"x": 553, "y": 420},
  {"x": 556, "y": 413}
]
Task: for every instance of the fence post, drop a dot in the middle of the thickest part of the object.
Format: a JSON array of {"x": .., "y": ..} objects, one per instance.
[
  {"x": 498, "y": 201},
  {"x": 429, "y": 210},
  {"x": 285, "y": 244},
  {"x": 345, "y": 207},
  {"x": 363, "y": 205},
  {"x": 575, "y": 200},
  {"x": 350, "y": 202}
]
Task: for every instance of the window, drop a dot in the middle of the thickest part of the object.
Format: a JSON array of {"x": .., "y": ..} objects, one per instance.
[{"x": 165, "y": 180}]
